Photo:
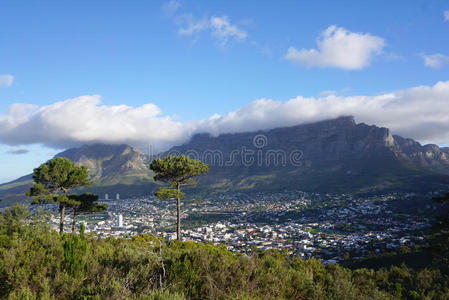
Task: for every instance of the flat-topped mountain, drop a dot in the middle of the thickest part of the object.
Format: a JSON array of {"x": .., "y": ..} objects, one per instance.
[{"x": 336, "y": 155}]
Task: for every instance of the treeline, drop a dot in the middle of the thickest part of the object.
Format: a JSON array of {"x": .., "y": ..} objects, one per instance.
[{"x": 38, "y": 263}]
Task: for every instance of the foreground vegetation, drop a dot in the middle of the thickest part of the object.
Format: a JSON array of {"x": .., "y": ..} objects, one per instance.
[{"x": 38, "y": 263}]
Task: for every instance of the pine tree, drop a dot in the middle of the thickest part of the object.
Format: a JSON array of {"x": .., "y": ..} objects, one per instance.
[
  {"x": 53, "y": 180},
  {"x": 177, "y": 171},
  {"x": 85, "y": 203}
]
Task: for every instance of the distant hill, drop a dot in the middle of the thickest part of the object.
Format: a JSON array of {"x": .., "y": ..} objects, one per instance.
[
  {"x": 111, "y": 164},
  {"x": 330, "y": 156},
  {"x": 114, "y": 169}
]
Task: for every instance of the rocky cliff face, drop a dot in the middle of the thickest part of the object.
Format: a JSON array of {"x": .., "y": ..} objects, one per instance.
[
  {"x": 334, "y": 155},
  {"x": 428, "y": 156}
]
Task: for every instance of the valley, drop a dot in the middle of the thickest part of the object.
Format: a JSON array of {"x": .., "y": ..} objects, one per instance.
[{"x": 334, "y": 228}]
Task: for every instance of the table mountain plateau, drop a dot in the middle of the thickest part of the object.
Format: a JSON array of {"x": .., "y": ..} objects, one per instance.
[{"x": 335, "y": 155}]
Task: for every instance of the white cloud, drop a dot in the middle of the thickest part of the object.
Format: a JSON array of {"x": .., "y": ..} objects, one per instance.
[
  {"x": 188, "y": 25},
  {"x": 421, "y": 113},
  {"x": 17, "y": 151},
  {"x": 170, "y": 7},
  {"x": 84, "y": 120},
  {"x": 446, "y": 15},
  {"x": 339, "y": 48},
  {"x": 223, "y": 30},
  {"x": 219, "y": 27},
  {"x": 435, "y": 61},
  {"x": 328, "y": 93},
  {"x": 6, "y": 80}
]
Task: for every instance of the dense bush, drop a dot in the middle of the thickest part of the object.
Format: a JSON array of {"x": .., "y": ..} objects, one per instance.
[{"x": 38, "y": 263}]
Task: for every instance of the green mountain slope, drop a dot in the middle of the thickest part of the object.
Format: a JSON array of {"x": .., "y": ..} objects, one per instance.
[{"x": 114, "y": 169}]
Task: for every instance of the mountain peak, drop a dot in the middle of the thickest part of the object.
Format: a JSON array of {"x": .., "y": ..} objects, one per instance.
[
  {"x": 108, "y": 163},
  {"x": 343, "y": 120},
  {"x": 95, "y": 150}
]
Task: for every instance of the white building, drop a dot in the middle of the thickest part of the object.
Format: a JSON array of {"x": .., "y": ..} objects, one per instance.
[
  {"x": 119, "y": 220},
  {"x": 106, "y": 196},
  {"x": 117, "y": 196}
]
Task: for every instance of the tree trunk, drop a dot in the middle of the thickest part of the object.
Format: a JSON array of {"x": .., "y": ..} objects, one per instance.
[
  {"x": 178, "y": 229},
  {"x": 74, "y": 221},
  {"x": 61, "y": 218}
]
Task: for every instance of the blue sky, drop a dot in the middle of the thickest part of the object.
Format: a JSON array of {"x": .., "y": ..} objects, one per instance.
[{"x": 194, "y": 59}]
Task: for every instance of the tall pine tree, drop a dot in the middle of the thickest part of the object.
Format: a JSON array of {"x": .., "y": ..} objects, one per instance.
[
  {"x": 85, "y": 203},
  {"x": 177, "y": 171},
  {"x": 54, "y": 179}
]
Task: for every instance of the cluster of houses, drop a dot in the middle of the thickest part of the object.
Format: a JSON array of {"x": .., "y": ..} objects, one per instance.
[{"x": 309, "y": 225}]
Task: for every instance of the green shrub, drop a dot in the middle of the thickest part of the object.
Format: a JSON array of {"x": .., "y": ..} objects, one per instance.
[{"x": 38, "y": 263}]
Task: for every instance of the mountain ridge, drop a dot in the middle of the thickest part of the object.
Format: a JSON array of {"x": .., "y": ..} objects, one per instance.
[
  {"x": 336, "y": 155},
  {"x": 338, "y": 147}
]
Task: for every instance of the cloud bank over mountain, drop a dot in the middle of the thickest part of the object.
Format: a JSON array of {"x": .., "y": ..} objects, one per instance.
[
  {"x": 421, "y": 113},
  {"x": 84, "y": 120}
]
